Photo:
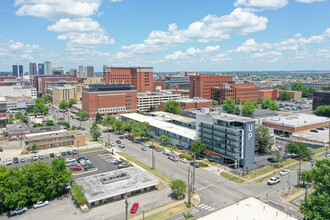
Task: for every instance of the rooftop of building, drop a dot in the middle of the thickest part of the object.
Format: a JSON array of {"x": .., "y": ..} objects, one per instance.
[
  {"x": 47, "y": 134},
  {"x": 297, "y": 120},
  {"x": 46, "y": 129},
  {"x": 108, "y": 87},
  {"x": 218, "y": 114},
  {"x": 165, "y": 116},
  {"x": 148, "y": 93},
  {"x": 322, "y": 91},
  {"x": 114, "y": 183},
  {"x": 251, "y": 208},
  {"x": 194, "y": 100},
  {"x": 14, "y": 128},
  {"x": 158, "y": 123}
]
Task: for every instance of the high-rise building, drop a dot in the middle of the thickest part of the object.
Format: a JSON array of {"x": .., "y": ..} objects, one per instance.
[
  {"x": 33, "y": 69},
  {"x": 81, "y": 72},
  {"x": 17, "y": 70},
  {"x": 47, "y": 68},
  {"x": 57, "y": 70},
  {"x": 200, "y": 85},
  {"x": 73, "y": 72},
  {"x": 41, "y": 69},
  {"x": 140, "y": 77},
  {"x": 89, "y": 71}
]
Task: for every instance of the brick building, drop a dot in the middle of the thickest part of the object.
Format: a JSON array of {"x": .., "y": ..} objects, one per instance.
[
  {"x": 194, "y": 103},
  {"x": 39, "y": 82},
  {"x": 109, "y": 99},
  {"x": 200, "y": 85},
  {"x": 321, "y": 98},
  {"x": 140, "y": 77},
  {"x": 236, "y": 91},
  {"x": 270, "y": 93}
]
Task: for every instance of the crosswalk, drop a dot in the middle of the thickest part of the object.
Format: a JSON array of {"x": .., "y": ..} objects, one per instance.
[{"x": 205, "y": 207}]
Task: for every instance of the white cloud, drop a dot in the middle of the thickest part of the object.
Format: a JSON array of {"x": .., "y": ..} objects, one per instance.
[
  {"x": 18, "y": 50},
  {"x": 92, "y": 38},
  {"x": 116, "y": 0},
  {"x": 79, "y": 24},
  {"x": 210, "y": 28},
  {"x": 310, "y": 1},
  {"x": 251, "y": 45},
  {"x": 192, "y": 52},
  {"x": 55, "y": 9},
  {"x": 267, "y": 4}
]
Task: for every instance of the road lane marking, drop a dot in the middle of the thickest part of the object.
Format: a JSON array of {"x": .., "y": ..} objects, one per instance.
[
  {"x": 212, "y": 209},
  {"x": 205, "y": 187}
]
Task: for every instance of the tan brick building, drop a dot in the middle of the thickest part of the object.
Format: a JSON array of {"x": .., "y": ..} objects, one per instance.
[{"x": 66, "y": 93}]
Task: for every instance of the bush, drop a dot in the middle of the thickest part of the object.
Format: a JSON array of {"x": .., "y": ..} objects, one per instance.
[
  {"x": 78, "y": 194},
  {"x": 185, "y": 156},
  {"x": 202, "y": 164}
]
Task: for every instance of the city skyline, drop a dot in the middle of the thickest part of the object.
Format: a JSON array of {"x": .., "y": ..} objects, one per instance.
[{"x": 173, "y": 36}]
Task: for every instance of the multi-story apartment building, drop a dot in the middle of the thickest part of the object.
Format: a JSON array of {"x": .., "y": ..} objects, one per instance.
[
  {"x": 47, "y": 68},
  {"x": 18, "y": 91},
  {"x": 200, "y": 85},
  {"x": 17, "y": 103},
  {"x": 140, "y": 77},
  {"x": 321, "y": 98},
  {"x": 177, "y": 82},
  {"x": 230, "y": 139},
  {"x": 109, "y": 99},
  {"x": 311, "y": 84},
  {"x": 147, "y": 99}
]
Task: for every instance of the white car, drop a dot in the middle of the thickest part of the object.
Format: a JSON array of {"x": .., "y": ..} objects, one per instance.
[
  {"x": 69, "y": 160},
  {"x": 34, "y": 157},
  {"x": 18, "y": 211},
  {"x": 1, "y": 162},
  {"x": 273, "y": 180},
  {"x": 58, "y": 154},
  {"x": 8, "y": 162},
  {"x": 284, "y": 172},
  {"x": 40, "y": 204},
  {"x": 112, "y": 144},
  {"x": 113, "y": 161},
  {"x": 184, "y": 160}
]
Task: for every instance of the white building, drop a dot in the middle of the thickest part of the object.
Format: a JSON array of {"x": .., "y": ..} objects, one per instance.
[
  {"x": 147, "y": 99},
  {"x": 18, "y": 91},
  {"x": 47, "y": 68}
]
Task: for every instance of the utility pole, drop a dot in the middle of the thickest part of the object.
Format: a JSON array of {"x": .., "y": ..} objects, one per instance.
[
  {"x": 193, "y": 180},
  {"x": 153, "y": 158},
  {"x": 189, "y": 188},
  {"x": 108, "y": 136},
  {"x": 69, "y": 116},
  {"x": 298, "y": 174},
  {"x": 126, "y": 204}
]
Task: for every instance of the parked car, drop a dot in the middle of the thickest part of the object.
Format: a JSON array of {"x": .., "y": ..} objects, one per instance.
[
  {"x": 167, "y": 152},
  {"x": 272, "y": 160},
  {"x": 15, "y": 160},
  {"x": 68, "y": 153},
  {"x": 69, "y": 160},
  {"x": 58, "y": 154},
  {"x": 52, "y": 155},
  {"x": 273, "y": 180},
  {"x": 121, "y": 137},
  {"x": 34, "y": 157},
  {"x": 22, "y": 160},
  {"x": 18, "y": 211},
  {"x": 123, "y": 165},
  {"x": 158, "y": 149},
  {"x": 121, "y": 145},
  {"x": 118, "y": 141},
  {"x": 1, "y": 163},
  {"x": 327, "y": 155},
  {"x": 314, "y": 130},
  {"x": 113, "y": 161},
  {"x": 134, "y": 208},
  {"x": 63, "y": 154},
  {"x": 89, "y": 166},
  {"x": 143, "y": 148},
  {"x": 118, "y": 162},
  {"x": 136, "y": 141},
  {"x": 41, "y": 157},
  {"x": 184, "y": 160},
  {"x": 40, "y": 204},
  {"x": 74, "y": 151},
  {"x": 72, "y": 164},
  {"x": 151, "y": 147},
  {"x": 1, "y": 149},
  {"x": 112, "y": 144},
  {"x": 77, "y": 168},
  {"x": 284, "y": 172},
  {"x": 195, "y": 164}
]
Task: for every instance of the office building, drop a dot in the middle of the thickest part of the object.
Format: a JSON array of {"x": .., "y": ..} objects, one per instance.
[
  {"x": 274, "y": 93},
  {"x": 177, "y": 82},
  {"x": 66, "y": 93},
  {"x": 321, "y": 98},
  {"x": 200, "y": 85},
  {"x": 41, "y": 69},
  {"x": 47, "y": 68},
  {"x": 93, "y": 80},
  {"x": 140, "y": 77},
  {"x": 109, "y": 99},
  {"x": 89, "y": 71},
  {"x": 194, "y": 103},
  {"x": 73, "y": 72},
  {"x": 17, "y": 103},
  {"x": 17, "y": 70},
  {"x": 230, "y": 139},
  {"x": 57, "y": 70},
  {"x": 236, "y": 91},
  {"x": 33, "y": 69},
  {"x": 41, "y": 83},
  {"x": 81, "y": 72},
  {"x": 147, "y": 99},
  {"x": 18, "y": 91}
]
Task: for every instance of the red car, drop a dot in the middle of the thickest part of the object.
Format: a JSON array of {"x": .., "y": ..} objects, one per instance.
[
  {"x": 134, "y": 207},
  {"x": 76, "y": 168},
  {"x": 280, "y": 148}
]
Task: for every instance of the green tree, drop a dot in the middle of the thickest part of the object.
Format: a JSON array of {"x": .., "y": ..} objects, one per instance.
[
  {"x": 248, "y": 108},
  {"x": 163, "y": 138},
  {"x": 317, "y": 203},
  {"x": 266, "y": 103},
  {"x": 108, "y": 121},
  {"x": 274, "y": 106},
  {"x": 95, "y": 131},
  {"x": 280, "y": 87},
  {"x": 237, "y": 101},
  {"x": 46, "y": 98},
  {"x": 285, "y": 96},
  {"x": 277, "y": 155},
  {"x": 119, "y": 126},
  {"x": 141, "y": 129},
  {"x": 128, "y": 126},
  {"x": 71, "y": 102},
  {"x": 10, "y": 122},
  {"x": 37, "y": 125},
  {"x": 306, "y": 92},
  {"x": 237, "y": 110},
  {"x": 11, "y": 116},
  {"x": 18, "y": 115},
  {"x": 50, "y": 123},
  {"x": 142, "y": 113},
  {"x": 300, "y": 149},
  {"x": 64, "y": 123},
  {"x": 98, "y": 118},
  {"x": 323, "y": 110},
  {"x": 229, "y": 105},
  {"x": 78, "y": 194},
  {"x": 172, "y": 107},
  {"x": 297, "y": 86},
  {"x": 30, "y": 108},
  {"x": 264, "y": 140},
  {"x": 198, "y": 147},
  {"x": 63, "y": 105},
  {"x": 178, "y": 187},
  {"x": 82, "y": 116},
  {"x": 153, "y": 108},
  {"x": 215, "y": 102},
  {"x": 24, "y": 119}
]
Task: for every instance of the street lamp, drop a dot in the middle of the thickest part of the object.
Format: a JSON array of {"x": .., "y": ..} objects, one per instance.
[{"x": 78, "y": 148}]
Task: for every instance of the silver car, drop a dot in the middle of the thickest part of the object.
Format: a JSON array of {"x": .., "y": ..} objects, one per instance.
[{"x": 40, "y": 204}]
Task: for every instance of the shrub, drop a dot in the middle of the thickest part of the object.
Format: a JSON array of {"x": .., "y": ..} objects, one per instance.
[{"x": 202, "y": 164}]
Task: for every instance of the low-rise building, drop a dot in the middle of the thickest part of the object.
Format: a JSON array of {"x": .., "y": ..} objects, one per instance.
[
  {"x": 321, "y": 98},
  {"x": 194, "y": 103},
  {"x": 3, "y": 115},
  {"x": 274, "y": 93},
  {"x": 17, "y": 103},
  {"x": 18, "y": 91},
  {"x": 16, "y": 131},
  {"x": 174, "y": 119},
  {"x": 147, "y": 99}
]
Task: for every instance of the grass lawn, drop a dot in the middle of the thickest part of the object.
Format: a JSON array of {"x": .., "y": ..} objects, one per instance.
[
  {"x": 165, "y": 214},
  {"x": 319, "y": 150},
  {"x": 154, "y": 172},
  {"x": 231, "y": 177}
]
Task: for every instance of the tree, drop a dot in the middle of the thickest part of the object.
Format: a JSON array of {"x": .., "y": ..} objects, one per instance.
[
  {"x": 30, "y": 108},
  {"x": 24, "y": 119},
  {"x": 71, "y": 102},
  {"x": 142, "y": 113},
  {"x": 11, "y": 116},
  {"x": 306, "y": 92},
  {"x": 128, "y": 126},
  {"x": 141, "y": 129},
  {"x": 229, "y": 105},
  {"x": 10, "y": 122},
  {"x": 274, "y": 106},
  {"x": 37, "y": 125},
  {"x": 64, "y": 123},
  {"x": 63, "y": 105},
  {"x": 18, "y": 115},
  {"x": 50, "y": 123},
  {"x": 237, "y": 101},
  {"x": 153, "y": 108},
  {"x": 277, "y": 155},
  {"x": 297, "y": 86},
  {"x": 78, "y": 194},
  {"x": 317, "y": 203},
  {"x": 237, "y": 110},
  {"x": 266, "y": 103},
  {"x": 248, "y": 108},
  {"x": 108, "y": 121},
  {"x": 280, "y": 87},
  {"x": 119, "y": 126},
  {"x": 163, "y": 138},
  {"x": 198, "y": 147},
  {"x": 46, "y": 98},
  {"x": 285, "y": 96},
  {"x": 323, "y": 110},
  {"x": 95, "y": 131},
  {"x": 82, "y": 116},
  {"x": 98, "y": 118},
  {"x": 172, "y": 107},
  {"x": 34, "y": 146},
  {"x": 263, "y": 139},
  {"x": 178, "y": 187},
  {"x": 215, "y": 102},
  {"x": 300, "y": 149}
]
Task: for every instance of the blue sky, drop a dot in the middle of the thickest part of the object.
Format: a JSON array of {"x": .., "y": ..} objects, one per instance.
[{"x": 171, "y": 35}]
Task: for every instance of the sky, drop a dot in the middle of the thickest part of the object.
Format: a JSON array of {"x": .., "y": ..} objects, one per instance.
[{"x": 169, "y": 35}]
